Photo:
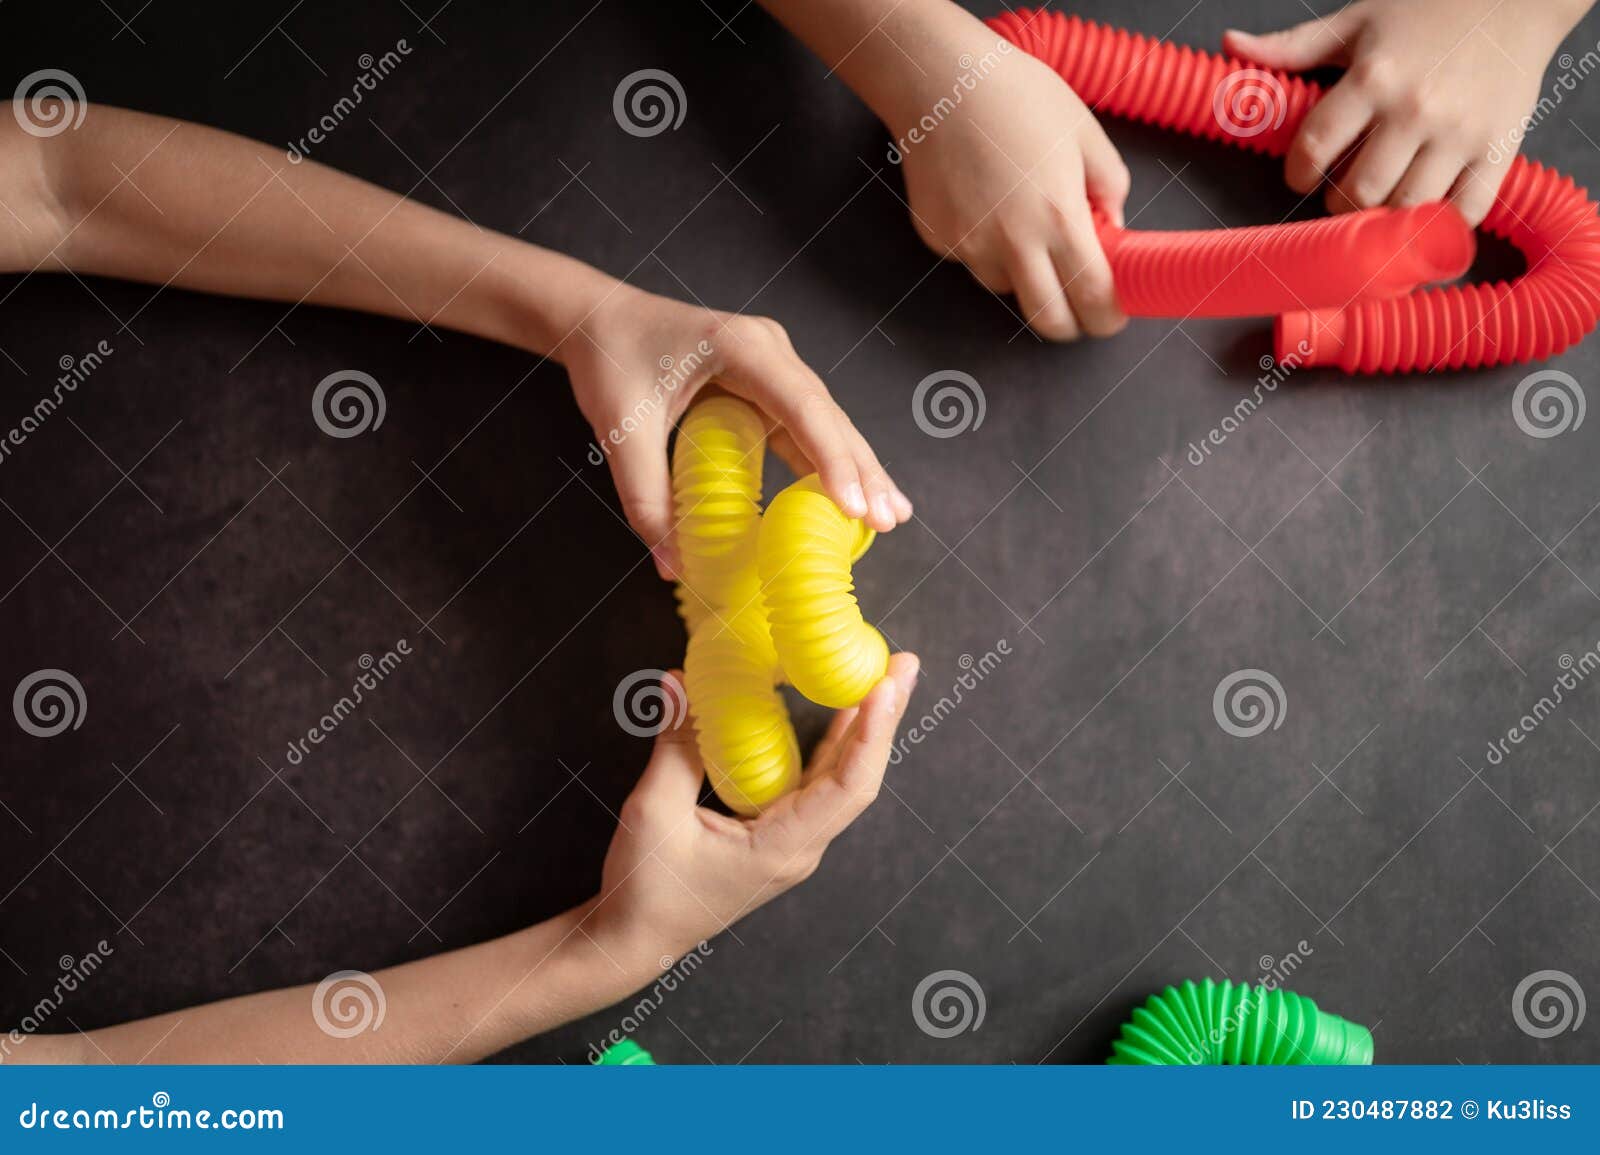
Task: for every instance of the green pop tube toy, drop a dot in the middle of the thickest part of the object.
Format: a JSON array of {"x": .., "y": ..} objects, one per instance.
[
  {"x": 626, "y": 1053},
  {"x": 1208, "y": 1023}
]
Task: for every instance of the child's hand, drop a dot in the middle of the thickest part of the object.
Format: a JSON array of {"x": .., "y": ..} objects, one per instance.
[
  {"x": 1004, "y": 183},
  {"x": 1432, "y": 102},
  {"x": 637, "y": 362},
  {"x": 677, "y": 873}
]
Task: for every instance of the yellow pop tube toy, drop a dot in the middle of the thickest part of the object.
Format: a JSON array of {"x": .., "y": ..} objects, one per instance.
[{"x": 767, "y": 598}]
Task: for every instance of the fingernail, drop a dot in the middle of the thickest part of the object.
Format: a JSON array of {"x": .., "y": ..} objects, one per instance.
[
  {"x": 907, "y": 681},
  {"x": 883, "y": 511},
  {"x": 855, "y": 501},
  {"x": 902, "y": 504},
  {"x": 666, "y": 564}
]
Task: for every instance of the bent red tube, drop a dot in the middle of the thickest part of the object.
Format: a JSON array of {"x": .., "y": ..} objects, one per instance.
[
  {"x": 1551, "y": 307},
  {"x": 1271, "y": 269}
]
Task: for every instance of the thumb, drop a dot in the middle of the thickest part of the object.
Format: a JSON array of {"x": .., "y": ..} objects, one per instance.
[
  {"x": 1105, "y": 176},
  {"x": 644, "y": 483},
  {"x": 1313, "y": 44},
  {"x": 673, "y": 775}
]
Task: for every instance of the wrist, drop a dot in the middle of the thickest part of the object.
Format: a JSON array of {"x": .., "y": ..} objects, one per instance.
[{"x": 537, "y": 300}]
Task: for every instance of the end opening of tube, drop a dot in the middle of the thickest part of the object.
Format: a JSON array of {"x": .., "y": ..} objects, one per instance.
[{"x": 1444, "y": 243}]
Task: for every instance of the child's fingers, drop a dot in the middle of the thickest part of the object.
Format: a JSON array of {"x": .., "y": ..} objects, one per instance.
[
  {"x": 1378, "y": 166},
  {"x": 1086, "y": 275},
  {"x": 783, "y": 385},
  {"x": 782, "y": 442},
  {"x": 644, "y": 483},
  {"x": 834, "y": 800},
  {"x": 1105, "y": 176},
  {"x": 987, "y": 269},
  {"x": 672, "y": 777},
  {"x": 1430, "y": 176},
  {"x": 1326, "y": 134},
  {"x": 1040, "y": 295},
  {"x": 1475, "y": 190},
  {"x": 1325, "y": 40},
  {"x": 822, "y": 758}
]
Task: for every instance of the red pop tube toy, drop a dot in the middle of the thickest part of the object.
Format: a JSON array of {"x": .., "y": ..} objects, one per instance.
[
  {"x": 1555, "y": 225},
  {"x": 1272, "y": 269}
]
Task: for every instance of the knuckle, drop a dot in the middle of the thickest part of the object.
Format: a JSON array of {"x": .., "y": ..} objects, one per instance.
[
  {"x": 1414, "y": 106},
  {"x": 800, "y": 868},
  {"x": 1375, "y": 72},
  {"x": 1363, "y": 194},
  {"x": 636, "y": 811}
]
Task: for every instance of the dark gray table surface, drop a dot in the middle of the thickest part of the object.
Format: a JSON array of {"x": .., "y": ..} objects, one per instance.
[{"x": 1406, "y": 562}]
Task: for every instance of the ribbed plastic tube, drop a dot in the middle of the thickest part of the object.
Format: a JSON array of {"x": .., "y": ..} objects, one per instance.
[
  {"x": 1272, "y": 269},
  {"x": 1209, "y": 1023},
  {"x": 804, "y": 552},
  {"x": 742, "y": 725},
  {"x": 716, "y": 492},
  {"x": 1551, "y": 307},
  {"x": 736, "y": 660}
]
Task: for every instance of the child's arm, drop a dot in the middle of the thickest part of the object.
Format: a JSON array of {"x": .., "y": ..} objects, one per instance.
[
  {"x": 676, "y": 875},
  {"x": 1432, "y": 102},
  {"x": 1001, "y": 158},
  {"x": 169, "y": 202}
]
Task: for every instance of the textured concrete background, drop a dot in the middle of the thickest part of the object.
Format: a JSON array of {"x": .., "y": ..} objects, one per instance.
[{"x": 1399, "y": 555}]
